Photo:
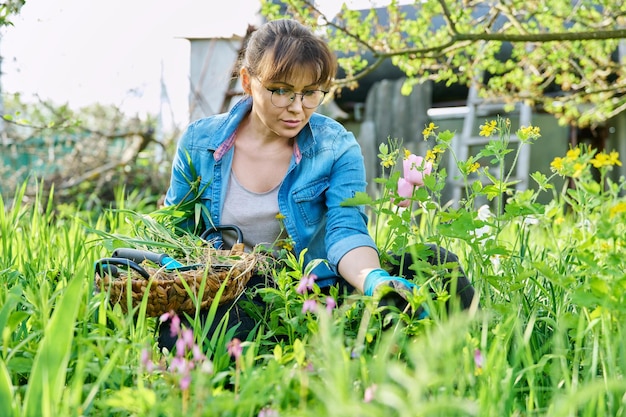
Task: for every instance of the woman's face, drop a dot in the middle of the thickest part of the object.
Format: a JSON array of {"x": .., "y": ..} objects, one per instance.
[{"x": 285, "y": 122}]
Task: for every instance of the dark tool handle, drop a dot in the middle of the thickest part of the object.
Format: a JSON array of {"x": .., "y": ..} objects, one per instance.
[
  {"x": 222, "y": 227},
  {"x": 138, "y": 256},
  {"x": 103, "y": 269},
  {"x": 104, "y": 264}
]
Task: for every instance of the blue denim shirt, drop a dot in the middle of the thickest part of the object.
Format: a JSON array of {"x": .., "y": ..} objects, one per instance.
[{"x": 326, "y": 168}]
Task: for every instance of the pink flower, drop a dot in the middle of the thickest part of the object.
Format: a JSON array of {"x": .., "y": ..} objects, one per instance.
[
  {"x": 180, "y": 347},
  {"x": 405, "y": 189},
  {"x": 479, "y": 362},
  {"x": 146, "y": 360},
  {"x": 197, "y": 353},
  {"x": 268, "y": 412},
  {"x": 165, "y": 316},
  {"x": 306, "y": 283},
  {"x": 187, "y": 336},
  {"x": 185, "y": 381},
  {"x": 179, "y": 365},
  {"x": 234, "y": 348},
  {"x": 174, "y": 325},
  {"x": 369, "y": 393},
  {"x": 415, "y": 167},
  {"x": 330, "y": 304},
  {"x": 309, "y": 305}
]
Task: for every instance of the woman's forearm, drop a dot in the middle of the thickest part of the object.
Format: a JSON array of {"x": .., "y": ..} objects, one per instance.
[{"x": 356, "y": 264}]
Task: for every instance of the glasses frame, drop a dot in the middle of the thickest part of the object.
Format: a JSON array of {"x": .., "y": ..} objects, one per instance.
[{"x": 292, "y": 98}]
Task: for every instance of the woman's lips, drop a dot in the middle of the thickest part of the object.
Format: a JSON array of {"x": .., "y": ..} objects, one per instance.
[{"x": 291, "y": 123}]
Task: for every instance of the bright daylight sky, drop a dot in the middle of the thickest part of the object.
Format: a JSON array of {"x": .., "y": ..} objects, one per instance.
[{"x": 111, "y": 51}]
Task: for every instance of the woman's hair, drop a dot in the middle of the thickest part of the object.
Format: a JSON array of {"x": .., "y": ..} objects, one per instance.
[{"x": 280, "y": 48}]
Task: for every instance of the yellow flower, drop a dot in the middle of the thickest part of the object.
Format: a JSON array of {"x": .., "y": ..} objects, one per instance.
[
  {"x": 617, "y": 209},
  {"x": 407, "y": 153},
  {"x": 529, "y": 132},
  {"x": 287, "y": 244},
  {"x": 429, "y": 130},
  {"x": 578, "y": 169},
  {"x": 488, "y": 128},
  {"x": 559, "y": 220},
  {"x": 389, "y": 160},
  {"x": 473, "y": 167},
  {"x": 601, "y": 160},
  {"x": 431, "y": 155},
  {"x": 557, "y": 164},
  {"x": 280, "y": 216},
  {"x": 573, "y": 154}
]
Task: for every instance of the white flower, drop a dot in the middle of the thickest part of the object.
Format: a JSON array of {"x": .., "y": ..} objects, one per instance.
[
  {"x": 531, "y": 220},
  {"x": 495, "y": 264},
  {"x": 484, "y": 213},
  {"x": 586, "y": 225}
]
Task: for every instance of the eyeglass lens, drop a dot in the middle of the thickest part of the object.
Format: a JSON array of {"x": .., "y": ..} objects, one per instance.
[{"x": 310, "y": 99}]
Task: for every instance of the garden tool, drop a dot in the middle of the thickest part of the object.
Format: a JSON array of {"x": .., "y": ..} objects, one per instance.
[
  {"x": 108, "y": 266},
  {"x": 160, "y": 259},
  {"x": 217, "y": 229}
]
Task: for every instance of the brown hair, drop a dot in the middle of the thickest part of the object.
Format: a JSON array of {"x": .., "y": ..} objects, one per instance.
[{"x": 279, "y": 48}]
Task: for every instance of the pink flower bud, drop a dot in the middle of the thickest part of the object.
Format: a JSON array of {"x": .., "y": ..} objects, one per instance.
[{"x": 405, "y": 189}]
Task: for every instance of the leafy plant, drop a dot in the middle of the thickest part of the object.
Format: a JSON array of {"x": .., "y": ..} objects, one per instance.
[{"x": 547, "y": 340}]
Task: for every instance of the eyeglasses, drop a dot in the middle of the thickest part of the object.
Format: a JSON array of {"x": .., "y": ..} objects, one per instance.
[{"x": 283, "y": 97}]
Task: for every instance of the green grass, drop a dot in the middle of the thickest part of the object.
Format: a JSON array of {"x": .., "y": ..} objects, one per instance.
[{"x": 548, "y": 340}]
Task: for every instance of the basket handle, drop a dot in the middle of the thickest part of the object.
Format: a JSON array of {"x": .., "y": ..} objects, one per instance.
[
  {"x": 217, "y": 229},
  {"x": 107, "y": 265}
]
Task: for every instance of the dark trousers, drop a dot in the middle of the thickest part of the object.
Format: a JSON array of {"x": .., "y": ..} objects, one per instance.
[
  {"x": 237, "y": 317},
  {"x": 454, "y": 282}
]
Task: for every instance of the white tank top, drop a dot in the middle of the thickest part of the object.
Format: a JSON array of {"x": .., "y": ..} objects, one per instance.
[{"x": 254, "y": 213}]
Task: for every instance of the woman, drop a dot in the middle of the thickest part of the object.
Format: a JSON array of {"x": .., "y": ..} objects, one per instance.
[{"x": 278, "y": 170}]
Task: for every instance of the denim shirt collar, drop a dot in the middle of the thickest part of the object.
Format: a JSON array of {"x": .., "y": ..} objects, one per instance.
[{"x": 221, "y": 144}]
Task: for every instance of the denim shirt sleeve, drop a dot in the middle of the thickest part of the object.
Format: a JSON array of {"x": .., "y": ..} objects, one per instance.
[
  {"x": 180, "y": 183},
  {"x": 346, "y": 227}
]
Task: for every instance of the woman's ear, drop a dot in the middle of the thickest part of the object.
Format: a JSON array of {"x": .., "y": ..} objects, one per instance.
[{"x": 246, "y": 82}]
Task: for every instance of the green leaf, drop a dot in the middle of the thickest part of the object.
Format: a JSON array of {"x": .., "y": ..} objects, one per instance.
[
  {"x": 11, "y": 301},
  {"x": 359, "y": 199},
  {"x": 299, "y": 352},
  {"x": 47, "y": 379},
  {"x": 445, "y": 136},
  {"x": 6, "y": 392}
]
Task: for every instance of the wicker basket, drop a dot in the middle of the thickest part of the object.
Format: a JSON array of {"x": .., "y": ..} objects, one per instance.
[{"x": 166, "y": 290}]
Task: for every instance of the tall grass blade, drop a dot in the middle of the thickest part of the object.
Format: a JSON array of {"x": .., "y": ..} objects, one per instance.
[
  {"x": 12, "y": 298},
  {"x": 6, "y": 392},
  {"x": 47, "y": 378}
]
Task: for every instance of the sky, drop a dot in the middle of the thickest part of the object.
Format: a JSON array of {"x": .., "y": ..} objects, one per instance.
[{"x": 117, "y": 52}]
